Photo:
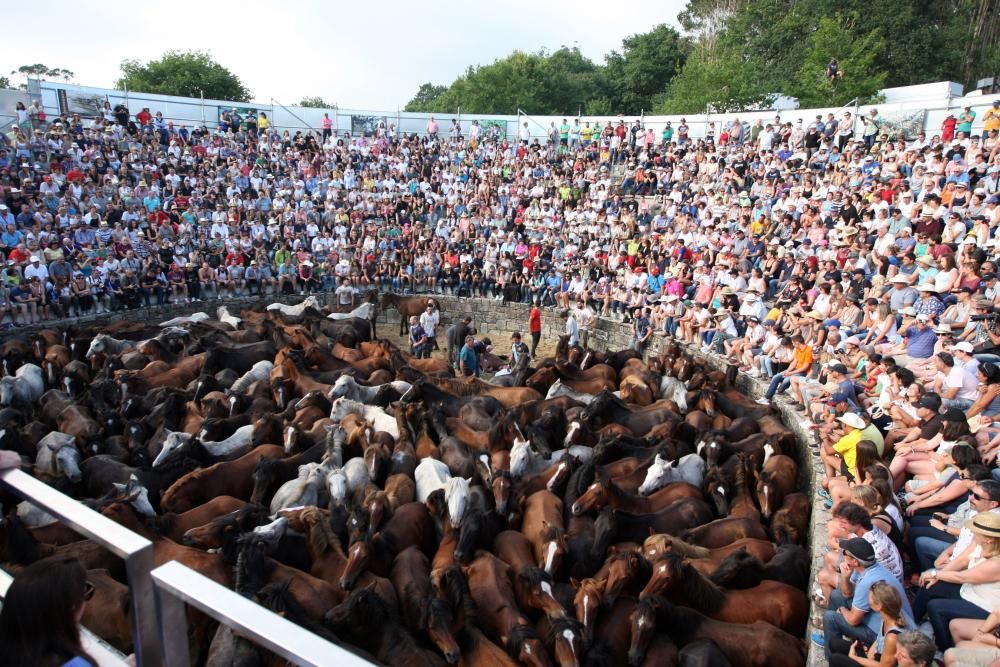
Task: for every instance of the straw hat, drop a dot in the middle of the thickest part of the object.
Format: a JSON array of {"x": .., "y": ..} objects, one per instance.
[
  {"x": 852, "y": 420},
  {"x": 985, "y": 523}
]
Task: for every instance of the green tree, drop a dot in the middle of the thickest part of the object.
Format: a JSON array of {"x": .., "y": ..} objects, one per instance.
[
  {"x": 856, "y": 53},
  {"x": 427, "y": 98},
  {"x": 37, "y": 71},
  {"x": 646, "y": 64},
  {"x": 4, "y": 82},
  {"x": 315, "y": 103},
  {"x": 183, "y": 73}
]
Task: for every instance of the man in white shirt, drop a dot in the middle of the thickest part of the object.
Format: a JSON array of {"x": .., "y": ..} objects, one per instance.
[
  {"x": 429, "y": 321},
  {"x": 957, "y": 388},
  {"x": 36, "y": 270}
]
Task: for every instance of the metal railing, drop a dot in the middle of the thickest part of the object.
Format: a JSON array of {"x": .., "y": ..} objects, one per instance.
[
  {"x": 176, "y": 584},
  {"x": 135, "y": 550}
]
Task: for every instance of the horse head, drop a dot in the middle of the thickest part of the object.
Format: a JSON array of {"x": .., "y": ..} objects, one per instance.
[
  {"x": 659, "y": 474},
  {"x": 768, "y": 495},
  {"x": 173, "y": 442},
  {"x": 502, "y": 485},
  {"x": 358, "y": 557},
  {"x": 437, "y": 620},
  {"x": 717, "y": 490},
  {"x": 524, "y": 643},
  {"x": 643, "y": 622},
  {"x": 553, "y": 546},
  {"x": 587, "y": 601}
]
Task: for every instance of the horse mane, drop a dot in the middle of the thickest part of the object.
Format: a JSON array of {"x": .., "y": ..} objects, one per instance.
[
  {"x": 643, "y": 568},
  {"x": 534, "y": 576},
  {"x": 432, "y": 607},
  {"x": 557, "y": 626},
  {"x": 553, "y": 533},
  {"x": 600, "y": 654},
  {"x": 457, "y": 387},
  {"x": 579, "y": 480},
  {"x": 740, "y": 567},
  {"x": 253, "y": 567},
  {"x": 700, "y": 592},
  {"x": 517, "y": 636},
  {"x": 681, "y": 623},
  {"x": 687, "y": 550},
  {"x": 322, "y": 538},
  {"x": 455, "y": 587}
]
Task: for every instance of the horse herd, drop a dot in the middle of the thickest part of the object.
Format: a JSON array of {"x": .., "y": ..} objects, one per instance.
[{"x": 608, "y": 510}]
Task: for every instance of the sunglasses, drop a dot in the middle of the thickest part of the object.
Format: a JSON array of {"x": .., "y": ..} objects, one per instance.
[
  {"x": 980, "y": 497},
  {"x": 88, "y": 590}
]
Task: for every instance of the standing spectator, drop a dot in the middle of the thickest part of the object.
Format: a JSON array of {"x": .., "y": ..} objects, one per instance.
[
  {"x": 572, "y": 330},
  {"x": 419, "y": 343},
  {"x": 534, "y": 325},
  {"x": 456, "y": 334},
  {"x": 468, "y": 360},
  {"x": 429, "y": 320},
  {"x": 641, "y": 330}
]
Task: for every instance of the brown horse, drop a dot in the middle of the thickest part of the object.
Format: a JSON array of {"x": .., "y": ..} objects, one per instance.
[
  {"x": 228, "y": 478},
  {"x": 173, "y": 526},
  {"x": 407, "y": 307},
  {"x": 790, "y": 524},
  {"x": 423, "y": 612},
  {"x": 703, "y": 559},
  {"x": 776, "y": 480},
  {"x": 497, "y": 612},
  {"x": 543, "y": 526},
  {"x": 605, "y": 492},
  {"x": 776, "y": 603},
  {"x": 745, "y": 645},
  {"x": 725, "y": 531},
  {"x": 411, "y": 525},
  {"x": 471, "y": 386},
  {"x": 532, "y": 586}
]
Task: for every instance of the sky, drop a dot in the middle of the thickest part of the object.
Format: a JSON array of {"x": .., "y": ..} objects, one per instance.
[{"x": 356, "y": 55}]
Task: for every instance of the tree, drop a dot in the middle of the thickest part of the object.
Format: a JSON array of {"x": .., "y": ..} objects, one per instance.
[
  {"x": 183, "y": 73},
  {"x": 427, "y": 98},
  {"x": 856, "y": 53},
  {"x": 647, "y": 63},
  {"x": 315, "y": 103},
  {"x": 37, "y": 71}
]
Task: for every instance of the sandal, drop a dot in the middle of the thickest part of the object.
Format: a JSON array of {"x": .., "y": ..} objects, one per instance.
[{"x": 824, "y": 494}]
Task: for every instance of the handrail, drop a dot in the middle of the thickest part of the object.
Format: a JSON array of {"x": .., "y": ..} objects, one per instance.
[
  {"x": 176, "y": 584},
  {"x": 135, "y": 550}
]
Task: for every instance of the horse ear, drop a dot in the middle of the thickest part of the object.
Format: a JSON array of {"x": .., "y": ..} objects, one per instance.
[
  {"x": 575, "y": 583},
  {"x": 601, "y": 584},
  {"x": 652, "y": 531}
]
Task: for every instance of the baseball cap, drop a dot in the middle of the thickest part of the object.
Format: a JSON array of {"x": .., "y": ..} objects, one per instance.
[
  {"x": 962, "y": 346},
  {"x": 839, "y": 368},
  {"x": 839, "y": 397},
  {"x": 930, "y": 401},
  {"x": 859, "y": 548}
]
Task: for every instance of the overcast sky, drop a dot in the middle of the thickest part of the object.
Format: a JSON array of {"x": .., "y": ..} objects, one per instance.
[{"x": 360, "y": 55}]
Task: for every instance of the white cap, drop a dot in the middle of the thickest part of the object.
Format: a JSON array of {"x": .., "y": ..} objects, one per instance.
[
  {"x": 34, "y": 258},
  {"x": 962, "y": 346}
]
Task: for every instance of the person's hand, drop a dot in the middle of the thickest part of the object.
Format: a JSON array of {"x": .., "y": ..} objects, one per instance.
[
  {"x": 903, "y": 451},
  {"x": 855, "y": 650},
  {"x": 844, "y": 568},
  {"x": 935, "y": 523},
  {"x": 984, "y": 637},
  {"x": 912, "y": 509}
]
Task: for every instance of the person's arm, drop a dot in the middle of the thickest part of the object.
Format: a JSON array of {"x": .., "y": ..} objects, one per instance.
[
  {"x": 987, "y": 572},
  {"x": 954, "y": 490}
]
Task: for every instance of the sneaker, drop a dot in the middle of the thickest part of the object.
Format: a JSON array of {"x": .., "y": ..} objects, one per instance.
[
  {"x": 754, "y": 373},
  {"x": 817, "y": 638},
  {"x": 763, "y": 401}
]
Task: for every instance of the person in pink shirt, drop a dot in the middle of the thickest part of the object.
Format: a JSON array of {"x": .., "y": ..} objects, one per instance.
[
  {"x": 432, "y": 128},
  {"x": 327, "y": 126}
]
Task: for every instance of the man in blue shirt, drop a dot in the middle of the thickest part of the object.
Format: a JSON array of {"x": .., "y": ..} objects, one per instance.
[
  {"x": 859, "y": 571},
  {"x": 920, "y": 339},
  {"x": 468, "y": 361}
]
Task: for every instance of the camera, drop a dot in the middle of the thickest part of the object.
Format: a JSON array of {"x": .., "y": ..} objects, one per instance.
[{"x": 991, "y": 315}]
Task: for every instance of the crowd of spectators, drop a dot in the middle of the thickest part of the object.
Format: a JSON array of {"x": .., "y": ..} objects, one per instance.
[{"x": 852, "y": 268}]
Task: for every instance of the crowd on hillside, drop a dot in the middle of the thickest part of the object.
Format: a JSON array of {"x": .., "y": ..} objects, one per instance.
[{"x": 852, "y": 269}]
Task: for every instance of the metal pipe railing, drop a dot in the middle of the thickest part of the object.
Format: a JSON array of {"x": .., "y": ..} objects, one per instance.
[
  {"x": 177, "y": 585},
  {"x": 135, "y": 550}
]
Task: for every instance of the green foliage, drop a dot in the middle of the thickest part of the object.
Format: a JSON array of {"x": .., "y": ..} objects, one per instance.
[
  {"x": 315, "y": 103},
  {"x": 36, "y": 71},
  {"x": 184, "y": 73},
  {"x": 4, "y": 82},
  {"x": 856, "y": 54},
  {"x": 647, "y": 63},
  {"x": 426, "y": 98}
]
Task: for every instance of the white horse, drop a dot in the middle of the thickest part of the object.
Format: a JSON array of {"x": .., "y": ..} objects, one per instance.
[
  {"x": 57, "y": 456},
  {"x": 430, "y": 475},
  {"x": 456, "y": 495},
  {"x": 345, "y": 481},
  {"x": 524, "y": 460},
  {"x": 559, "y": 389},
  {"x": 239, "y": 443},
  {"x": 259, "y": 371},
  {"x": 193, "y": 318},
  {"x": 690, "y": 469},
  {"x": 347, "y": 387},
  {"x": 223, "y": 315},
  {"x": 302, "y": 491},
  {"x": 25, "y": 387},
  {"x": 105, "y": 344},
  {"x": 295, "y": 311},
  {"x": 365, "y": 311},
  {"x": 374, "y": 415},
  {"x": 675, "y": 390}
]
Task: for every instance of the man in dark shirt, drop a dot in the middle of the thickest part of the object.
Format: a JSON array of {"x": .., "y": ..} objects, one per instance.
[{"x": 456, "y": 337}]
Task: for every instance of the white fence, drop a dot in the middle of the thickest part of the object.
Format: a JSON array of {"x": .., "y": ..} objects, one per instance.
[{"x": 937, "y": 100}]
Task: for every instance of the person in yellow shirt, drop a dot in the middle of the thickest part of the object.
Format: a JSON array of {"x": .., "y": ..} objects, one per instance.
[
  {"x": 992, "y": 117},
  {"x": 843, "y": 454},
  {"x": 263, "y": 122}
]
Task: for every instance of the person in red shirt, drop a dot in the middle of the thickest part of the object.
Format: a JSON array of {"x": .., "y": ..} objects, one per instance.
[
  {"x": 144, "y": 117},
  {"x": 535, "y": 326}
]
